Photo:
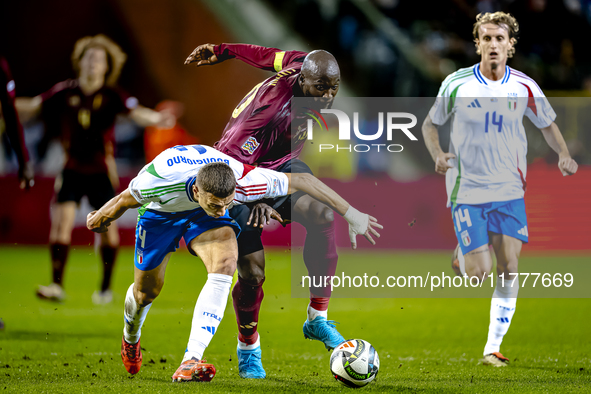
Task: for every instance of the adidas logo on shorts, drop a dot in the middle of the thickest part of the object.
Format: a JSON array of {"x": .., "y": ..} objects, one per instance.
[{"x": 523, "y": 232}]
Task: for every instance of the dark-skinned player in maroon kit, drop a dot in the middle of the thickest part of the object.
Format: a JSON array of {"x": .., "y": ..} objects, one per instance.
[
  {"x": 260, "y": 133},
  {"x": 81, "y": 113}
]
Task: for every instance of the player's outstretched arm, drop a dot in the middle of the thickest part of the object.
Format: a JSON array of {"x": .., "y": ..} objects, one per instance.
[
  {"x": 99, "y": 221},
  {"x": 555, "y": 140},
  {"x": 270, "y": 59},
  {"x": 431, "y": 136},
  {"x": 359, "y": 223},
  {"x": 145, "y": 117}
]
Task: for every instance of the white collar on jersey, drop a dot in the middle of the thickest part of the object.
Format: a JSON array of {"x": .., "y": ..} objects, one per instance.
[{"x": 485, "y": 81}]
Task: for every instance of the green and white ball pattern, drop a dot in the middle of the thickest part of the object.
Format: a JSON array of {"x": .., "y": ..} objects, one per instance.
[{"x": 354, "y": 363}]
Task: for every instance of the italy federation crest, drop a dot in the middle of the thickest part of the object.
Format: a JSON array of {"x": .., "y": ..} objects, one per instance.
[
  {"x": 466, "y": 238},
  {"x": 512, "y": 102}
]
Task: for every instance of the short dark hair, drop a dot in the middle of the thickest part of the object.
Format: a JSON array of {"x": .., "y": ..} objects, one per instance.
[{"x": 217, "y": 179}]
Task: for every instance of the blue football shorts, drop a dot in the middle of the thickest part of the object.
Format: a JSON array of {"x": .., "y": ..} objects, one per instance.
[
  {"x": 472, "y": 223},
  {"x": 159, "y": 233}
]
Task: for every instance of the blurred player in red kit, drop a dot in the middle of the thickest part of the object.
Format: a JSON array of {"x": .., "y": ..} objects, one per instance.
[
  {"x": 81, "y": 113},
  {"x": 260, "y": 133},
  {"x": 12, "y": 125}
]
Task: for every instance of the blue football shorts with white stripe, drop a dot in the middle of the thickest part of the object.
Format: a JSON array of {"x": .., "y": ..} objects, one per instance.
[
  {"x": 159, "y": 233},
  {"x": 473, "y": 222}
]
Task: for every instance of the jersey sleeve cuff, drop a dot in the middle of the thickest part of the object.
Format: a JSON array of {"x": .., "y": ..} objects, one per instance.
[{"x": 134, "y": 193}]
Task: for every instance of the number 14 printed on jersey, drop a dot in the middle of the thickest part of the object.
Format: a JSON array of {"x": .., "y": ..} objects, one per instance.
[{"x": 495, "y": 121}]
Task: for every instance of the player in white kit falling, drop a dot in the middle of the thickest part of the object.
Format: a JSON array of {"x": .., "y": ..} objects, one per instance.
[
  {"x": 486, "y": 166},
  {"x": 186, "y": 192}
]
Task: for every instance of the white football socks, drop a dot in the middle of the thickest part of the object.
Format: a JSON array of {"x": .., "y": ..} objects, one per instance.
[
  {"x": 244, "y": 346},
  {"x": 312, "y": 313},
  {"x": 502, "y": 309},
  {"x": 462, "y": 262},
  {"x": 134, "y": 317},
  {"x": 208, "y": 314}
]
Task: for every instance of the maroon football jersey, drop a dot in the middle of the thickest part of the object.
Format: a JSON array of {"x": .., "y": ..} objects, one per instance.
[
  {"x": 14, "y": 129},
  {"x": 259, "y": 131},
  {"x": 83, "y": 123}
]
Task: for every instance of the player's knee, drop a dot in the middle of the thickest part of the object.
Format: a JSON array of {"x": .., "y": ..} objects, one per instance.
[
  {"x": 110, "y": 240},
  {"x": 255, "y": 277},
  {"x": 507, "y": 266},
  {"x": 145, "y": 296},
  {"x": 252, "y": 271},
  {"x": 477, "y": 272},
  {"x": 321, "y": 215},
  {"x": 251, "y": 267},
  {"x": 64, "y": 238},
  {"x": 226, "y": 265}
]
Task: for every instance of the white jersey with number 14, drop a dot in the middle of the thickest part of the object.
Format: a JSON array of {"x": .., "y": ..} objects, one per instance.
[{"x": 487, "y": 133}]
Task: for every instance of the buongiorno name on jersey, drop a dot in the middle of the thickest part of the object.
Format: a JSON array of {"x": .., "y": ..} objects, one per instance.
[{"x": 166, "y": 183}]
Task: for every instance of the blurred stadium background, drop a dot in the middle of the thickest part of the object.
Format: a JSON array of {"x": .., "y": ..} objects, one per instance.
[
  {"x": 393, "y": 48},
  {"x": 386, "y": 48}
]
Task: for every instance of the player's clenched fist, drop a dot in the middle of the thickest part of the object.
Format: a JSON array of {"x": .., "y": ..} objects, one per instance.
[
  {"x": 567, "y": 166},
  {"x": 203, "y": 55},
  {"x": 441, "y": 164},
  {"x": 97, "y": 222}
]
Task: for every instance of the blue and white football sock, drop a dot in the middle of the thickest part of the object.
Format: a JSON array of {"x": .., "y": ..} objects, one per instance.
[
  {"x": 134, "y": 317},
  {"x": 209, "y": 311},
  {"x": 502, "y": 309}
]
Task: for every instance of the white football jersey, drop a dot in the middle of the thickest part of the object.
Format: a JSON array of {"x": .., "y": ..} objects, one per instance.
[
  {"x": 165, "y": 184},
  {"x": 487, "y": 133}
]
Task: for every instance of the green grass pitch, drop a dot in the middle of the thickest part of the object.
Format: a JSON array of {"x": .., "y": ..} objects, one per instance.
[{"x": 425, "y": 345}]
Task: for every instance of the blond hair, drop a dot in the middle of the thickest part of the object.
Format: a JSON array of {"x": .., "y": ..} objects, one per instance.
[
  {"x": 500, "y": 19},
  {"x": 115, "y": 56}
]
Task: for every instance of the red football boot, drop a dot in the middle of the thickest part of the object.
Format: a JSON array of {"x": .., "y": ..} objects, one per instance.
[
  {"x": 194, "y": 370},
  {"x": 131, "y": 354}
]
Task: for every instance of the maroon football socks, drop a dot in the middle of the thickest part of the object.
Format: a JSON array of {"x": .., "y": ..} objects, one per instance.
[
  {"x": 247, "y": 298},
  {"x": 59, "y": 256}
]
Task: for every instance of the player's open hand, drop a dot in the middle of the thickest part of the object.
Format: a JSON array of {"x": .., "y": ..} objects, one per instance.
[
  {"x": 361, "y": 223},
  {"x": 567, "y": 165},
  {"x": 441, "y": 164},
  {"x": 203, "y": 55},
  {"x": 261, "y": 214},
  {"x": 95, "y": 222},
  {"x": 372, "y": 224}
]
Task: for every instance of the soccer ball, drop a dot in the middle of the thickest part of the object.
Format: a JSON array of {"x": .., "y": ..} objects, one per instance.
[{"x": 354, "y": 363}]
